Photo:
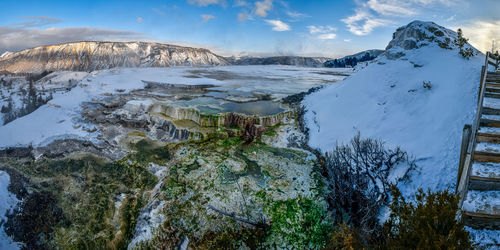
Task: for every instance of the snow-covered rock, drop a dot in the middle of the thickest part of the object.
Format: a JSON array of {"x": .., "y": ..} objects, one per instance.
[
  {"x": 418, "y": 34},
  {"x": 90, "y": 56},
  {"x": 6, "y": 54}
]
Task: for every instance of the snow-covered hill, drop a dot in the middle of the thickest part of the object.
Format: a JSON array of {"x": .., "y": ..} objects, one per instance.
[
  {"x": 90, "y": 56},
  {"x": 388, "y": 100}
]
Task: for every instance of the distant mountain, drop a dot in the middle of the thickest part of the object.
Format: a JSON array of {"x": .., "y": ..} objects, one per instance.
[
  {"x": 352, "y": 60},
  {"x": 6, "y": 54},
  {"x": 280, "y": 60},
  {"x": 89, "y": 56}
]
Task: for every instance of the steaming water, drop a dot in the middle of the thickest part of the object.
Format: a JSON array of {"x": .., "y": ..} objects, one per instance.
[
  {"x": 261, "y": 108},
  {"x": 250, "y": 90}
]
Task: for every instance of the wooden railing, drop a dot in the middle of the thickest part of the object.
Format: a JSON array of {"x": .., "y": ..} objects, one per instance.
[
  {"x": 496, "y": 60},
  {"x": 468, "y": 155},
  {"x": 467, "y": 132}
]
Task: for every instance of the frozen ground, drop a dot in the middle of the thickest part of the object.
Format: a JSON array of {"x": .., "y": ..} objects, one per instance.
[
  {"x": 61, "y": 117},
  {"x": 7, "y": 202}
]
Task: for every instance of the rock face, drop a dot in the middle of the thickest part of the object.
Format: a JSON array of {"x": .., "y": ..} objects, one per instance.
[
  {"x": 89, "y": 56},
  {"x": 418, "y": 34}
]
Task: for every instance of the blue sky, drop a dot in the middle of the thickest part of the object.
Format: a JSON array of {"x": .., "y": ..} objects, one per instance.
[{"x": 264, "y": 27}]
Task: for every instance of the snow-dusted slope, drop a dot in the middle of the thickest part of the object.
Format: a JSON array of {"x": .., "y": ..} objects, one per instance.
[
  {"x": 5, "y": 54},
  {"x": 8, "y": 201},
  {"x": 387, "y": 100},
  {"x": 89, "y": 56}
]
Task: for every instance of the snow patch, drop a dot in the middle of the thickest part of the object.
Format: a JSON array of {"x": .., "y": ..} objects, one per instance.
[{"x": 8, "y": 202}]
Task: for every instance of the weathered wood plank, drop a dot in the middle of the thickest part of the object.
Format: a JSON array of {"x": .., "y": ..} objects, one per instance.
[
  {"x": 485, "y": 137},
  {"x": 484, "y": 183},
  {"x": 492, "y": 90},
  {"x": 489, "y": 123},
  {"x": 493, "y": 85},
  {"x": 491, "y": 111},
  {"x": 492, "y": 95},
  {"x": 481, "y": 156},
  {"x": 479, "y": 220}
]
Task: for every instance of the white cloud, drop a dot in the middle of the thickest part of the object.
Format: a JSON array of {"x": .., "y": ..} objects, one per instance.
[
  {"x": 37, "y": 21},
  {"x": 370, "y": 14},
  {"x": 206, "y": 2},
  {"x": 391, "y": 7},
  {"x": 320, "y": 29},
  {"x": 347, "y": 40},
  {"x": 295, "y": 14},
  {"x": 207, "y": 17},
  {"x": 481, "y": 33},
  {"x": 139, "y": 20},
  {"x": 243, "y": 16},
  {"x": 327, "y": 36},
  {"x": 362, "y": 22},
  {"x": 240, "y": 3},
  {"x": 15, "y": 38},
  {"x": 444, "y": 2},
  {"x": 278, "y": 25},
  {"x": 324, "y": 32},
  {"x": 262, "y": 7}
]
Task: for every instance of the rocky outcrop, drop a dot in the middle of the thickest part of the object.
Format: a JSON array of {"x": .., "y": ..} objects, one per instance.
[
  {"x": 90, "y": 56},
  {"x": 221, "y": 120},
  {"x": 418, "y": 34}
]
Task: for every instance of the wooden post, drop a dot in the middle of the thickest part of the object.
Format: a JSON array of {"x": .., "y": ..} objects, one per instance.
[
  {"x": 467, "y": 131},
  {"x": 483, "y": 71}
]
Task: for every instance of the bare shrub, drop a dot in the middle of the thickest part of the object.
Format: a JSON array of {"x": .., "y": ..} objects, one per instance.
[
  {"x": 428, "y": 223},
  {"x": 359, "y": 178}
]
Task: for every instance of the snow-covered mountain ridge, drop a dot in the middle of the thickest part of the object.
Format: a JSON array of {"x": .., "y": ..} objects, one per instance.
[{"x": 90, "y": 56}]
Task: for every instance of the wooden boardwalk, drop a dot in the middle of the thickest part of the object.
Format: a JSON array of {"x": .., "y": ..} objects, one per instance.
[{"x": 478, "y": 182}]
